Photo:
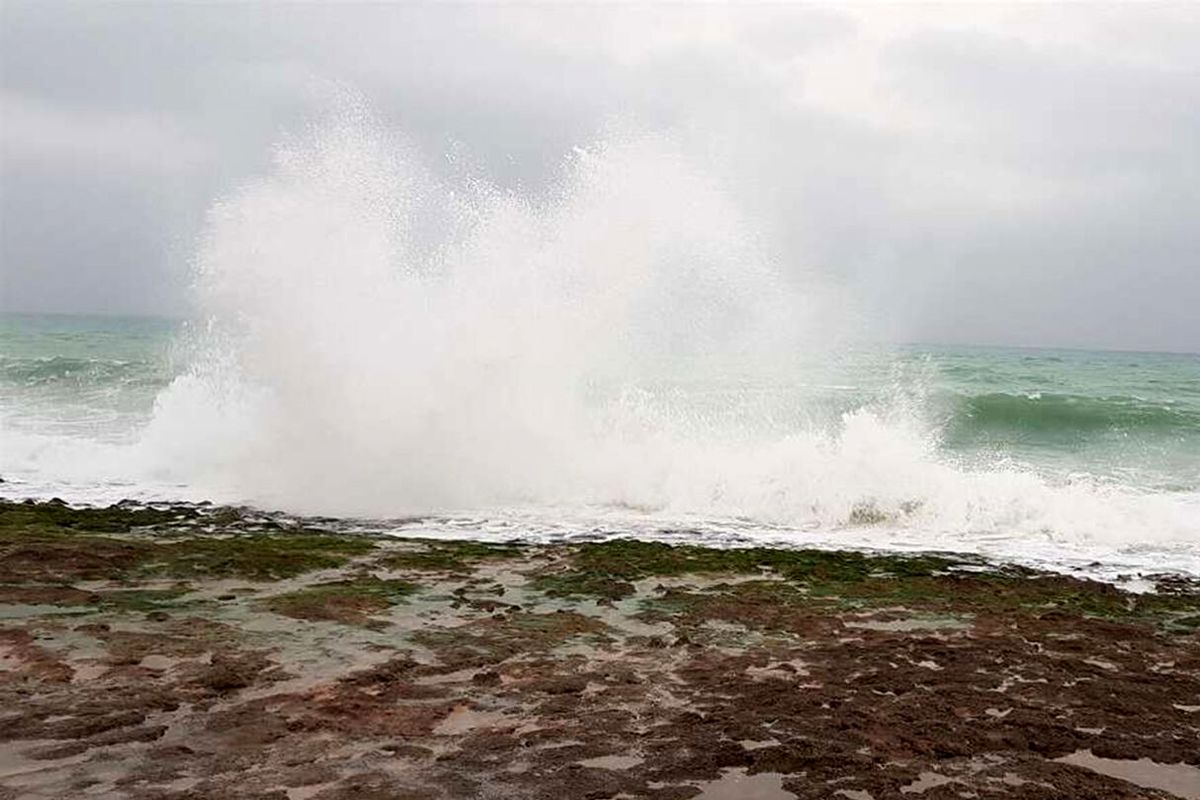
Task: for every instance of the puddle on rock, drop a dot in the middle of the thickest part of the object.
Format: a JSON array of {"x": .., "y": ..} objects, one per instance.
[
  {"x": 780, "y": 670},
  {"x": 463, "y": 719},
  {"x": 17, "y": 611},
  {"x": 735, "y": 784},
  {"x": 158, "y": 662},
  {"x": 88, "y": 671},
  {"x": 924, "y": 782},
  {"x": 17, "y": 766},
  {"x": 1181, "y": 780},
  {"x": 910, "y": 624},
  {"x": 612, "y": 762},
  {"x": 458, "y": 676},
  {"x": 757, "y": 744}
]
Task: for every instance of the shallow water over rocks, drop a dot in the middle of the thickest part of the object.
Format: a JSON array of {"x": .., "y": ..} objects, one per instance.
[{"x": 1181, "y": 780}]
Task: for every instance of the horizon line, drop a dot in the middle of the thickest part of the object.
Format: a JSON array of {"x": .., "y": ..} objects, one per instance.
[{"x": 911, "y": 343}]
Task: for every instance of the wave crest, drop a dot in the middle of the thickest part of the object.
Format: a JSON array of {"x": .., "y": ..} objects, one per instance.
[{"x": 1070, "y": 414}]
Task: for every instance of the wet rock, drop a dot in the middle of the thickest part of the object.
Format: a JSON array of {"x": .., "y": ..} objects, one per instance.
[{"x": 835, "y": 672}]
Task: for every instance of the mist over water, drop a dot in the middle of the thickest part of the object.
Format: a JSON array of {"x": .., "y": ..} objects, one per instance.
[
  {"x": 620, "y": 354},
  {"x": 385, "y": 342}
]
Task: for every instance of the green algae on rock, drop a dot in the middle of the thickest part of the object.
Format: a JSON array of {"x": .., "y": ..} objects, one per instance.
[
  {"x": 159, "y": 661},
  {"x": 351, "y": 601},
  {"x": 600, "y": 568},
  {"x": 449, "y": 556},
  {"x": 52, "y": 542}
]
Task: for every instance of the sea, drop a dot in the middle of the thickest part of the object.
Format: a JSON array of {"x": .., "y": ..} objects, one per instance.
[
  {"x": 1076, "y": 460},
  {"x": 395, "y": 346}
]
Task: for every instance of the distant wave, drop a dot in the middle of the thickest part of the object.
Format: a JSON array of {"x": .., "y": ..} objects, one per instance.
[
  {"x": 1049, "y": 413},
  {"x": 58, "y": 370}
]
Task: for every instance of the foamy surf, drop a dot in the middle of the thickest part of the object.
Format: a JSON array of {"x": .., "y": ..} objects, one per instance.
[{"x": 620, "y": 356}]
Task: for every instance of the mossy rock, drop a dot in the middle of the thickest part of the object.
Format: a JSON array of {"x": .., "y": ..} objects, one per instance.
[
  {"x": 118, "y": 518},
  {"x": 454, "y": 556},
  {"x": 142, "y": 600},
  {"x": 51, "y": 542},
  {"x": 350, "y": 601},
  {"x": 254, "y": 556},
  {"x": 606, "y": 569}
]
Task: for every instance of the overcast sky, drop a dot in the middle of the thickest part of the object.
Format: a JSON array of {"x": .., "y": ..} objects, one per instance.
[{"x": 988, "y": 174}]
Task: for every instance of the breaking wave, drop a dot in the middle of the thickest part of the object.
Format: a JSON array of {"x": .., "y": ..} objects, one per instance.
[
  {"x": 1069, "y": 414},
  {"x": 622, "y": 352}
]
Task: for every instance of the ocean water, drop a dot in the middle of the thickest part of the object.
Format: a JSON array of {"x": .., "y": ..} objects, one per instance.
[
  {"x": 623, "y": 354},
  {"x": 1069, "y": 458}
]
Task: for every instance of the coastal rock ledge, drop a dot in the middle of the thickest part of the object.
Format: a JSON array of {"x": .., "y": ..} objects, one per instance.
[{"x": 207, "y": 653}]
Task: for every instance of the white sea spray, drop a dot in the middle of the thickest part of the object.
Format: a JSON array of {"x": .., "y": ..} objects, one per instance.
[{"x": 621, "y": 354}]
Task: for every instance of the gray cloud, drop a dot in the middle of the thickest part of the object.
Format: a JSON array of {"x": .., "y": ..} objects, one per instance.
[{"x": 1019, "y": 175}]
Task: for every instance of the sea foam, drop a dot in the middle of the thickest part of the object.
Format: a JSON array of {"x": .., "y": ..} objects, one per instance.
[{"x": 375, "y": 340}]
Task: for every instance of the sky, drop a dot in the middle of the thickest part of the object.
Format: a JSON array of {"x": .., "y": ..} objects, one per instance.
[{"x": 990, "y": 174}]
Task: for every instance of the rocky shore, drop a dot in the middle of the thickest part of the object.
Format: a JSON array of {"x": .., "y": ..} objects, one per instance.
[{"x": 205, "y": 653}]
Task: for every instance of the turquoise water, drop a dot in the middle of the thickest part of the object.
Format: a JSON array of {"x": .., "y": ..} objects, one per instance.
[
  {"x": 1133, "y": 416},
  {"x": 87, "y": 376},
  {"x": 1126, "y": 415},
  {"x": 1005, "y": 443}
]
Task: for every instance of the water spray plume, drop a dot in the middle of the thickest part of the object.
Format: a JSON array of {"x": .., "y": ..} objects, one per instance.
[{"x": 620, "y": 352}]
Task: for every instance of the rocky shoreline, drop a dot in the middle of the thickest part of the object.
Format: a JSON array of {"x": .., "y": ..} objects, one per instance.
[{"x": 193, "y": 652}]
